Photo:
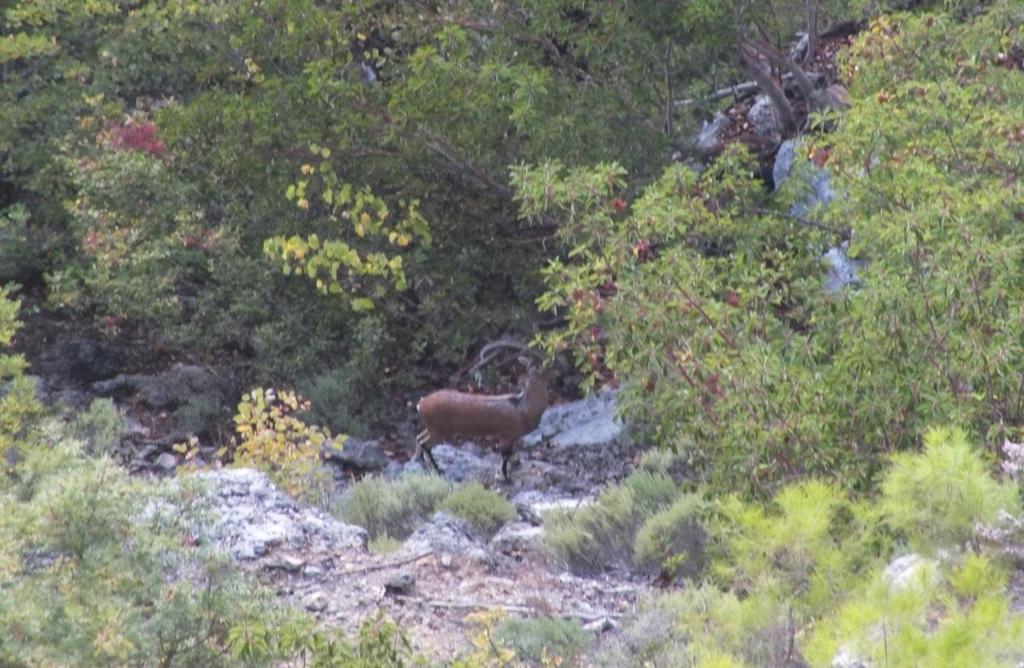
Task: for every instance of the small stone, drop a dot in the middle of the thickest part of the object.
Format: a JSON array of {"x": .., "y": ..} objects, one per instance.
[
  {"x": 446, "y": 560},
  {"x": 401, "y": 584},
  {"x": 290, "y": 563},
  {"x": 600, "y": 625},
  {"x": 517, "y": 538},
  {"x": 315, "y": 601},
  {"x": 166, "y": 462},
  {"x": 312, "y": 571}
]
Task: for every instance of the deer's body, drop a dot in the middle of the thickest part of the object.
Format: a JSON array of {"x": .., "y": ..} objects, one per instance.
[{"x": 448, "y": 415}]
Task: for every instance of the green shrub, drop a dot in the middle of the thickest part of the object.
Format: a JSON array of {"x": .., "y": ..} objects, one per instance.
[
  {"x": 275, "y": 440},
  {"x": 97, "y": 569},
  {"x": 384, "y": 544},
  {"x": 200, "y": 413},
  {"x": 392, "y": 508},
  {"x": 484, "y": 509},
  {"x": 600, "y": 535},
  {"x": 663, "y": 460},
  {"x": 21, "y": 251},
  {"x": 962, "y": 619},
  {"x": 544, "y": 640},
  {"x": 651, "y": 491},
  {"x": 100, "y": 427},
  {"x": 937, "y": 497},
  {"x": 703, "y": 294},
  {"x": 702, "y": 626},
  {"x": 811, "y": 545},
  {"x": 673, "y": 540}
]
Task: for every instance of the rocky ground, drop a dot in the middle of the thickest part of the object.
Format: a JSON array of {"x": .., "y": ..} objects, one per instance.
[{"x": 443, "y": 572}]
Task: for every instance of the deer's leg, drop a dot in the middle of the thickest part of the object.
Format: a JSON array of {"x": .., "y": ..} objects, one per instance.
[
  {"x": 421, "y": 438},
  {"x": 505, "y": 457},
  {"x": 433, "y": 461}
]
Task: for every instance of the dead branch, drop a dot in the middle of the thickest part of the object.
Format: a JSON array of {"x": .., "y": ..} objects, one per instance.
[
  {"x": 465, "y": 168},
  {"x": 739, "y": 91},
  {"x": 749, "y": 58},
  {"x": 812, "y": 29},
  {"x": 382, "y": 567},
  {"x": 782, "y": 61}
]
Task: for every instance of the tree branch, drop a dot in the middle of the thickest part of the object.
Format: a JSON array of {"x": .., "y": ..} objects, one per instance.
[{"x": 749, "y": 58}]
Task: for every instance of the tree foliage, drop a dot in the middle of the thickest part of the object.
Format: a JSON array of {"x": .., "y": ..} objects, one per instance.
[{"x": 703, "y": 295}]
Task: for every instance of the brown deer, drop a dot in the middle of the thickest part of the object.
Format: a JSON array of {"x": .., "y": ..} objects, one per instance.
[{"x": 447, "y": 414}]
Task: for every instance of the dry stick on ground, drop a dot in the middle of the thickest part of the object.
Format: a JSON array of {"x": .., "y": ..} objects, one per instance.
[
  {"x": 524, "y": 609},
  {"x": 382, "y": 567}
]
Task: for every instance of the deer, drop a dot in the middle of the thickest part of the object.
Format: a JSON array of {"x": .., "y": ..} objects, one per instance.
[{"x": 447, "y": 414}]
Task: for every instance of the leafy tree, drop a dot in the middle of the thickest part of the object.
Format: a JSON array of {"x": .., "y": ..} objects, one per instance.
[{"x": 703, "y": 295}]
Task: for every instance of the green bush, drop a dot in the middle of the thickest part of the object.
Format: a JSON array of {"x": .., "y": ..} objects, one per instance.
[
  {"x": 811, "y": 544},
  {"x": 95, "y": 571},
  {"x": 343, "y": 397},
  {"x": 384, "y": 544},
  {"x": 600, "y": 535},
  {"x": 663, "y": 460},
  {"x": 702, "y": 626},
  {"x": 937, "y": 497},
  {"x": 963, "y": 619},
  {"x": 484, "y": 509},
  {"x": 544, "y": 640},
  {"x": 392, "y": 508},
  {"x": 21, "y": 252},
  {"x": 275, "y": 440},
  {"x": 673, "y": 540},
  {"x": 100, "y": 427},
  {"x": 704, "y": 296},
  {"x": 200, "y": 413}
]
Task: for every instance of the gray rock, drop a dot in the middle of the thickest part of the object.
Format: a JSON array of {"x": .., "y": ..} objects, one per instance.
[
  {"x": 357, "y": 454},
  {"x": 81, "y": 359},
  {"x": 166, "y": 462},
  {"x": 585, "y": 423},
  {"x": 710, "y": 136},
  {"x": 910, "y": 571},
  {"x": 842, "y": 270},
  {"x": 462, "y": 463},
  {"x": 517, "y": 538},
  {"x": 315, "y": 601},
  {"x": 288, "y": 563},
  {"x": 600, "y": 625},
  {"x": 166, "y": 390},
  {"x": 819, "y": 193},
  {"x": 542, "y": 507},
  {"x": 250, "y": 517},
  {"x": 400, "y": 584},
  {"x": 764, "y": 119},
  {"x": 445, "y": 534},
  {"x": 783, "y": 162},
  {"x": 846, "y": 657}
]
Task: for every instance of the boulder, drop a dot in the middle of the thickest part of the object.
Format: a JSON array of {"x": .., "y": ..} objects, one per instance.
[
  {"x": 250, "y": 517},
  {"x": 764, "y": 119},
  {"x": 357, "y": 454},
  {"x": 709, "y": 140},
  {"x": 446, "y": 534},
  {"x": 169, "y": 389},
  {"x": 80, "y": 359}
]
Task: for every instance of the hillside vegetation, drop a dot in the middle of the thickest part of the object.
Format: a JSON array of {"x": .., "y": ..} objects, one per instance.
[{"x": 349, "y": 198}]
